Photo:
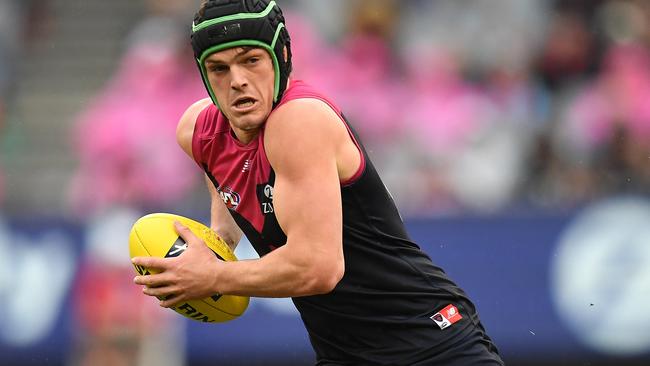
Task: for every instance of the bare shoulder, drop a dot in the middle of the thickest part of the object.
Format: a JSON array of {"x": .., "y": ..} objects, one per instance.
[
  {"x": 185, "y": 128},
  {"x": 308, "y": 119},
  {"x": 305, "y": 128},
  {"x": 310, "y": 109}
]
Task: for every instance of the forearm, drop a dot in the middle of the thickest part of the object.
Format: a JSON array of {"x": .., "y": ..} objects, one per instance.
[
  {"x": 281, "y": 273},
  {"x": 220, "y": 220},
  {"x": 225, "y": 227},
  {"x": 231, "y": 238}
]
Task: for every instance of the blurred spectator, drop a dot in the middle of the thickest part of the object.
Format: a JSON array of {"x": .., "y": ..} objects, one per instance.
[
  {"x": 570, "y": 50},
  {"x": 363, "y": 72},
  {"x": 609, "y": 122},
  {"x": 360, "y": 69}
]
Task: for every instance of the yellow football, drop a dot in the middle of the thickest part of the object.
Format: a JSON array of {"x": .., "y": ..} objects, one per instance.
[{"x": 154, "y": 235}]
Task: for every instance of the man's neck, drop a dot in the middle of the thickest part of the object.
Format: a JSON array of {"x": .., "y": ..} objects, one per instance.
[{"x": 244, "y": 136}]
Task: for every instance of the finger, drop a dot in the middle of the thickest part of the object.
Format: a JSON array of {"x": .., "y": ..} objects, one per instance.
[
  {"x": 171, "y": 301},
  {"x": 152, "y": 280},
  {"x": 163, "y": 292},
  {"x": 150, "y": 262}
]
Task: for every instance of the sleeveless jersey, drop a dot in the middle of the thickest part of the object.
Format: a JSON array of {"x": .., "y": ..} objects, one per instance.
[{"x": 383, "y": 309}]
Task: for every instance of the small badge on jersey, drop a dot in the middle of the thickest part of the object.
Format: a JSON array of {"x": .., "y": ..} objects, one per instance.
[{"x": 447, "y": 316}]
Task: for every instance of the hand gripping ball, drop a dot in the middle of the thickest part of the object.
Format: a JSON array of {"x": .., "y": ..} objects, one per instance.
[{"x": 154, "y": 235}]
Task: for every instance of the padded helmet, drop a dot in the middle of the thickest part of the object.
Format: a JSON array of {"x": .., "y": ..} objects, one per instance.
[{"x": 225, "y": 24}]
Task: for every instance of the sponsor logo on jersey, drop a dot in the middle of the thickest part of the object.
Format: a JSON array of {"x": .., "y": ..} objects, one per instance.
[
  {"x": 265, "y": 196},
  {"x": 229, "y": 197},
  {"x": 447, "y": 316}
]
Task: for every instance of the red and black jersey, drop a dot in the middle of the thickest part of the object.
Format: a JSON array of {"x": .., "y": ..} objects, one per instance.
[
  {"x": 242, "y": 175},
  {"x": 387, "y": 307}
]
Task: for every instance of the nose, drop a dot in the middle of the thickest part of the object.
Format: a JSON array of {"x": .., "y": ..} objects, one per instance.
[{"x": 238, "y": 79}]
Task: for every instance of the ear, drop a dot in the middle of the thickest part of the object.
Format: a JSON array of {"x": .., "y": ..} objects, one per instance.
[{"x": 285, "y": 53}]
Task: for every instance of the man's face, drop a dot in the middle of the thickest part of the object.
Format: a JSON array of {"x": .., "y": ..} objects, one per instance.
[{"x": 242, "y": 79}]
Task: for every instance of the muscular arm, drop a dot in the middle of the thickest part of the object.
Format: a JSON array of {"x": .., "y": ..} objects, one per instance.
[
  {"x": 220, "y": 220},
  {"x": 305, "y": 145},
  {"x": 310, "y": 151}
]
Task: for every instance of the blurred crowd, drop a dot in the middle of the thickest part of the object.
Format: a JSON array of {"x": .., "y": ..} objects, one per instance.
[
  {"x": 488, "y": 106},
  {"x": 465, "y": 106}
]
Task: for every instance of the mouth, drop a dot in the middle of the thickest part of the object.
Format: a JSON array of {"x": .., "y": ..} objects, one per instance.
[{"x": 244, "y": 103}]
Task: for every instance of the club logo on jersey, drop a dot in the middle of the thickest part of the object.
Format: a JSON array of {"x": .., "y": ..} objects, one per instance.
[
  {"x": 268, "y": 191},
  {"x": 229, "y": 197},
  {"x": 265, "y": 197},
  {"x": 447, "y": 316}
]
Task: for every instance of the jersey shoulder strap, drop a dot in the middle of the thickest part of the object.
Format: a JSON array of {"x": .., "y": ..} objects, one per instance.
[{"x": 210, "y": 123}]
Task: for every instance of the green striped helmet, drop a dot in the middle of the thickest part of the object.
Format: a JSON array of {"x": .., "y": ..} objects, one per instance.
[{"x": 222, "y": 24}]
